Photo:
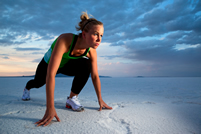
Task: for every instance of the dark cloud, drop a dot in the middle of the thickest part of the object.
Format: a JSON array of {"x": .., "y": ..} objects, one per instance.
[
  {"x": 164, "y": 58},
  {"x": 4, "y": 54},
  {"x": 9, "y": 38},
  {"x": 37, "y": 53},
  {"x": 178, "y": 16},
  {"x": 27, "y": 49},
  {"x": 5, "y": 57},
  {"x": 47, "y": 19},
  {"x": 52, "y": 18},
  {"x": 190, "y": 38},
  {"x": 176, "y": 24}
]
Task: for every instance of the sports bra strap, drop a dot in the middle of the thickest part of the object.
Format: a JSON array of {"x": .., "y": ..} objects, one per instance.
[{"x": 73, "y": 45}]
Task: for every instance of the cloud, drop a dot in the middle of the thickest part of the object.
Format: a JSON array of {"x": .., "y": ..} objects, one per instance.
[
  {"x": 37, "y": 60},
  {"x": 174, "y": 17},
  {"x": 7, "y": 39},
  {"x": 177, "y": 24},
  {"x": 27, "y": 49},
  {"x": 20, "y": 18},
  {"x": 5, "y": 57},
  {"x": 148, "y": 31},
  {"x": 110, "y": 57},
  {"x": 4, "y": 54},
  {"x": 38, "y": 53}
]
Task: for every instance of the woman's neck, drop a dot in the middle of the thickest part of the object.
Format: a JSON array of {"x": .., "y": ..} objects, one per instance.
[{"x": 81, "y": 44}]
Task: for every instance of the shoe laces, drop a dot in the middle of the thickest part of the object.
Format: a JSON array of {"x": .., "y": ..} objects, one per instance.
[
  {"x": 76, "y": 101},
  {"x": 26, "y": 92}
]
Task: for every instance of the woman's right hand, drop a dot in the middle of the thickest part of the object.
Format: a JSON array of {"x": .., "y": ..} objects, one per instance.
[{"x": 49, "y": 115}]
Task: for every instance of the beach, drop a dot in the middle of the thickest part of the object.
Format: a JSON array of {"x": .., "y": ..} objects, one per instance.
[{"x": 141, "y": 105}]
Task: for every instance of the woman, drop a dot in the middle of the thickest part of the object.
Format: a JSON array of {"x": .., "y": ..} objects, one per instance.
[{"x": 71, "y": 55}]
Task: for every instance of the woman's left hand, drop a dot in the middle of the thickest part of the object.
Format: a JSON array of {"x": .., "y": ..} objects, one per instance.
[{"x": 103, "y": 105}]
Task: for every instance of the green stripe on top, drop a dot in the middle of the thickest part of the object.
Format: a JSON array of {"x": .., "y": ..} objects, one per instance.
[
  {"x": 53, "y": 44},
  {"x": 66, "y": 56}
]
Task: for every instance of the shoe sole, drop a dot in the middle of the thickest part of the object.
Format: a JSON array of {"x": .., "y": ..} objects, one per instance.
[
  {"x": 69, "y": 107},
  {"x": 25, "y": 99}
]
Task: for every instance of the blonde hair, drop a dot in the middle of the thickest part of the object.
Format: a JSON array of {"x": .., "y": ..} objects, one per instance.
[{"x": 86, "y": 22}]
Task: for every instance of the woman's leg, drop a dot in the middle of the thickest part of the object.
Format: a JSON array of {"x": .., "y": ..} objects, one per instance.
[
  {"x": 40, "y": 76},
  {"x": 80, "y": 68},
  {"x": 81, "y": 76}
]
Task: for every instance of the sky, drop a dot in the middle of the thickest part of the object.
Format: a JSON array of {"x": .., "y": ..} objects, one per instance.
[{"x": 141, "y": 37}]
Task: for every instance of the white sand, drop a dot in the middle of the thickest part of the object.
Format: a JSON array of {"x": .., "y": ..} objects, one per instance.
[{"x": 140, "y": 106}]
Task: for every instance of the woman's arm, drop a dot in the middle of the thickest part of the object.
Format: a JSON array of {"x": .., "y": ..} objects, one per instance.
[
  {"x": 59, "y": 49},
  {"x": 96, "y": 80}
]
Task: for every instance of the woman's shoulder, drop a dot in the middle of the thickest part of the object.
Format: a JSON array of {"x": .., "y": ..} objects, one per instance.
[
  {"x": 65, "y": 38},
  {"x": 92, "y": 53}
]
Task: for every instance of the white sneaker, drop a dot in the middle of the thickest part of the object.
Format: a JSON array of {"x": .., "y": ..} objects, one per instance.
[
  {"x": 26, "y": 95},
  {"x": 74, "y": 104}
]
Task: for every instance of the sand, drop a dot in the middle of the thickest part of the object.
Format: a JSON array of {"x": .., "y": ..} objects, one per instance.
[{"x": 162, "y": 105}]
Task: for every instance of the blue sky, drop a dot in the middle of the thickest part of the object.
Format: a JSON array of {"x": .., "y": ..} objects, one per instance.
[{"x": 141, "y": 37}]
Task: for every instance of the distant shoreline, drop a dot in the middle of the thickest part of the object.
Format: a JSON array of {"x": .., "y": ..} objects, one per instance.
[
  {"x": 58, "y": 75},
  {"x": 62, "y": 75}
]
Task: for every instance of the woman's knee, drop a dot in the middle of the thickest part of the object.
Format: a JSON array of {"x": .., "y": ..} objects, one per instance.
[
  {"x": 85, "y": 65},
  {"x": 39, "y": 84},
  {"x": 35, "y": 84}
]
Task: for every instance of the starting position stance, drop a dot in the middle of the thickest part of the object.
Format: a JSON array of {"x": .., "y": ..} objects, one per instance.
[{"x": 73, "y": 55}]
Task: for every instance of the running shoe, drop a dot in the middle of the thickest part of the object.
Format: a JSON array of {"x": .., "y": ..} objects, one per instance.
[
  {"x": 74, "y": 104},
  {"x": 26, "y": 95}
]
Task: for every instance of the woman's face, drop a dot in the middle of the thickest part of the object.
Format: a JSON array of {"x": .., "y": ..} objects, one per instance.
[{"x": 94, "y": 36}]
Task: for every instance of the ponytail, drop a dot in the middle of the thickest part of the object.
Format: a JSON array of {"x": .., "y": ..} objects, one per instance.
[{"x": 86, "y": 22}]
